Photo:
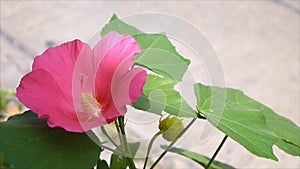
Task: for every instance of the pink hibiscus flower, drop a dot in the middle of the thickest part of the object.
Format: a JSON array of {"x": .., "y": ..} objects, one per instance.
[{"x": 78, "y": 88}]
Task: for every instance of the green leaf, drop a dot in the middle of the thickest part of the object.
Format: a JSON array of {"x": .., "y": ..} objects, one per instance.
[
  {"x": 3, "y": 164},
  {"x": 288, "y": 147},
  {"x": 159, "y": 95},
  {"x": 158, "y": 54},
  {"x": 27, "y": 142},
  {"x": 251, "y": 124},
  {"x": 286, "y": 130},
  {"x": 115, "y": 24},
  {"x": 119, "y": 159},
  {"x": 133, "y": 147},
  {"x": 198, "y": 158},
  {"x": 102, "y": 164},
  {"x": 118, "y": 162}
]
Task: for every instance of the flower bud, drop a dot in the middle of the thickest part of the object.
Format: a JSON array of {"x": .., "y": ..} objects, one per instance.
[{"x": 171, "y": 127}]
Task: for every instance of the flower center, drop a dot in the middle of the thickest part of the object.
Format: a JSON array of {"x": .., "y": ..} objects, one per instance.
[{"x": 89, "y": 104}]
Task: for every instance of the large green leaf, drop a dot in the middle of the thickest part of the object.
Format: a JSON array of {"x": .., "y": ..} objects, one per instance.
[
  {"x": 159, "y": 95},
  {"x": 115, "y": 24},
  {"x": 27, "y": 142},
  {"x": 158, "y": 54},
  {"x": 286, "y": 130},
  {"x": 251, "y": 124},
  {"x": 198, "y": 158}
]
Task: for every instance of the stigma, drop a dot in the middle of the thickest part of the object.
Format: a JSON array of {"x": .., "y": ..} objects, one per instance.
[{"x": 89, "y": 104}]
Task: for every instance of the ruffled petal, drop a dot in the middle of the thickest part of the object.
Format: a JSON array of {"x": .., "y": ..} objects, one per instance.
[
  {"x": 87, "y": 65},
  {"x": 137, "y": 83},
  {"x": 116, "y": 62},
  {"x": 128, "y": 88},
  {"x": 125, "y": 91},
  {"x": 59, "y": 62},
  {"x": 40, "y": 92},
  {"x": 112, "y": 113}
]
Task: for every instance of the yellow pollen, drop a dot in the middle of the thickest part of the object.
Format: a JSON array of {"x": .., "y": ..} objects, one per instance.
[{"x": 89, "y": 104}]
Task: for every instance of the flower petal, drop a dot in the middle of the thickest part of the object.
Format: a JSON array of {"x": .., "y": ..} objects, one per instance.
[
  {"x": 40, "y": 92},
  {"x": 125, "y": 92},
  {"x": 116, "y": 62},
  {"x": 87, "y": 65},
  {"x": 128, "y": 88},
  {"x": 59, "y": 62}
]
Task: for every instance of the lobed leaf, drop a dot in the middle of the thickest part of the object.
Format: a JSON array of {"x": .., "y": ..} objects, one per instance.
[
  {"x": 250, "y": 123},
  {"x": 158, "y": 54},
  {"x": 159, "y": 95}
]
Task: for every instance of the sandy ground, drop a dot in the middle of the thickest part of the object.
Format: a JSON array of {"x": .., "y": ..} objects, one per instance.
[{"x": 257, "y": 45}]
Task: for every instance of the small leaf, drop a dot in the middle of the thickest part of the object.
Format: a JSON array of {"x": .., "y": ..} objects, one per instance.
[
  {"x": 198, "y": 158},
  {"x": 118, "y": 162},
  {"x": 251, "y": 124},
  {"x": 133, "y": 147},
  {"x": 28, "y": 142},
  {"x": 102, "y": 164},
  {"x": 159, "y": 95},
  {"x": 158, "y": 54}
]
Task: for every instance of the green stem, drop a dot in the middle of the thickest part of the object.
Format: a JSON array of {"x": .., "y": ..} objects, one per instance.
[
  {"x": 105, "y": 147},
  {"x": 107, "y": 135},
  {"x": 216, "y": 152},
  {"x": 125, "y": 142},
  {"x": 119, "y": 134},
  {"x": 150, "y": 146},
  {"x": 172, "y": 143},
  {"x": 199, "y": 115}
]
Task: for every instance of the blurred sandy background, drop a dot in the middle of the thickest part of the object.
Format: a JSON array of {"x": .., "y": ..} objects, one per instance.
[{"x": 257, "y": 43}]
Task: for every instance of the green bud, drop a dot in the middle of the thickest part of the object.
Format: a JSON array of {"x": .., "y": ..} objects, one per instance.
[{"x": 171, "y": 127}]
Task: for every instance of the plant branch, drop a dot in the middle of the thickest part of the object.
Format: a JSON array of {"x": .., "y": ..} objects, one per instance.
[
  {"x": 125, "y": 142},
  {"x": 119, "y": 133},
  {"x": 216, "y": 152},
  {"x": 107, "y": 135},
  {"x": 150, "y": 146}
]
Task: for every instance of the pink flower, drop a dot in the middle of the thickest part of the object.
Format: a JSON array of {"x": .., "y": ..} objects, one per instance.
[{"x": 78, "y": 88}]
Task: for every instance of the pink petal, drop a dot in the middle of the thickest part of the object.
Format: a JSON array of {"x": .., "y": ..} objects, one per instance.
[
  {"x": 87, "y": 65},
  {"x": 40, "y": 92},
  {"x": 127, "y": 89},
  {"x": 116, "y": 62},
  {"x": 137, "y": 84},
  {"x": 112, "y": 112},
  {"x": 59, "y": 62}
]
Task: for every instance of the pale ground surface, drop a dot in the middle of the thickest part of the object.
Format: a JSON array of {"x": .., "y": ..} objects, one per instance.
[{"x": 257, "y": 44}]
